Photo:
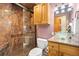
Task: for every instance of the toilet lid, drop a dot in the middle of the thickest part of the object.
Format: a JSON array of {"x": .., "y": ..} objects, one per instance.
[{"x": 35, "y": 52}]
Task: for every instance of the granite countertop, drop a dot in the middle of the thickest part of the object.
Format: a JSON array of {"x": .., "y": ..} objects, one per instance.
[{"x": 69, "y": 42}]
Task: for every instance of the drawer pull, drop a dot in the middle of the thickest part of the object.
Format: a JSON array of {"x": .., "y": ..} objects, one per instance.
[{"x": 52, "y": 46}]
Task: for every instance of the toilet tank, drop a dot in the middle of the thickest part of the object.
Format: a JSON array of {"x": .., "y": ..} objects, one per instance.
[{"x": 42, "y": 43}]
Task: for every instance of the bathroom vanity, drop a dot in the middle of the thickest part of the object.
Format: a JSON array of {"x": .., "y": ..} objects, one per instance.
[
  {"x": 64, "y": 41},
  {"x": 62, "y": 48}
]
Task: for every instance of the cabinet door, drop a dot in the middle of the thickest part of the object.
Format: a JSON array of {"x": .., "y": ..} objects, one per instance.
[
  {"x": 73, "y": 51},
  {"x": 37, "y": 14},
  {"x": 44, "y": 14},
  {"x": 52, "y": 51}
]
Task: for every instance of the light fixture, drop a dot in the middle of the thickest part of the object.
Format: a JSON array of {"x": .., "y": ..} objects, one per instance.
[
  {"x": 56, "y": 9},
  {"x": 69, "y": 9},
  {"x": 62, "y": 11},
  {"x": 57, "y": 12},
  {"x": 70, "y": 24},
  {"x": 63, "y": 7},
  {"x": 70, "y": 5}
]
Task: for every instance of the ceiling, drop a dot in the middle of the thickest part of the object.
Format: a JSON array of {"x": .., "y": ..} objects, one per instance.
[
  {"x": 31, "y": 5},
  {"x": 28, "y": 5}
]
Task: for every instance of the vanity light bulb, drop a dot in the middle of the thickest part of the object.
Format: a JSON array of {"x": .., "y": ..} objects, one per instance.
[
  {"x": 69, "y": 9},
  {"x": 63, "y": 7},
  {"x": 70, "y": 24},
  {"x": 62, "y": 11},
  {"x": 56, "y": 9},
  {"x": 57, "y": 12},
  {"x": 70, "y": 5}
]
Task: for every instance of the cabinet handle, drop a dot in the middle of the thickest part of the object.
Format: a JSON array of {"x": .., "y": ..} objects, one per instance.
[{"x": 52, "y": 46}]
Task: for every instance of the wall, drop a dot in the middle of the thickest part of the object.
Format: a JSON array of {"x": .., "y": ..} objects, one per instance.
[
  {"x": 44, "y": 31},
  {"x": 11, "y": 26},
  {"x": 75, "y": 37},
  {"x": 4, "y": 25},
  {"x": 29, "y": 33},
  {"x": 16, "y": 40}
]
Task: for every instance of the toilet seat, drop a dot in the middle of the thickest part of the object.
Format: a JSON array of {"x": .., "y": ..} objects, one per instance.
[{"x": 36, "y": 52}]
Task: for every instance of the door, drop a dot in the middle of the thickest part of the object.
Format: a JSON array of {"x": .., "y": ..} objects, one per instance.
[
  {"x": 37, "y": 14},
  {"x": 44, "y": 14},
  {"x": 57, "y": 24}
]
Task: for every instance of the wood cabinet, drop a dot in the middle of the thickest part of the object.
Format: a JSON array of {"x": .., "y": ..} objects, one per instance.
[
  {"x": 63, "y": 54},
  {"x": 58, "y": 49},
  {"x": 69, "y": 50},
  {"x": 37, "y": 14},
  {"x": 53, "y": 49},
  {"x": 44, "y": 14},
  {"x": 41, "y": 14}
]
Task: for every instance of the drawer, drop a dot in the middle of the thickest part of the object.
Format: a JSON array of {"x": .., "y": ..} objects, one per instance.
[
  {"x": 64, "y": 54},
  {"x": 69, "y": 49},
  {"x": 53, "y": 45},
  {"x": 52, "y": 52}
]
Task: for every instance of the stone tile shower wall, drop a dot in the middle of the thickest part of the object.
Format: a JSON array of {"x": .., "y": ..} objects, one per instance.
[
  {"x": 16, "y": 29},
  {"x": 11, "y": 26},
  {"x": 4, "y": 25},
  {"x": 29, "y": 33}
]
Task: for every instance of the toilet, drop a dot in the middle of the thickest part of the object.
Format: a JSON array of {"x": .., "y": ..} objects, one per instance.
[{"x": 41, "y": 44}]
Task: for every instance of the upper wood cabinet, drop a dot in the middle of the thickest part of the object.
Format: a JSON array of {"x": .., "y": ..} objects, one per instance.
[
  {"x": 44, "y": 14},
  {"x": 37, "y": 14},
  {"x": 41, "y": 14}
]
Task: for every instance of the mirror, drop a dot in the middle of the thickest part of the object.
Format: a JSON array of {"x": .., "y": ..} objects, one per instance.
[
  {"x": 60, "y": 27},
  {"x": 60, "y": 24},
  {"x": 76, "y": 23}
]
